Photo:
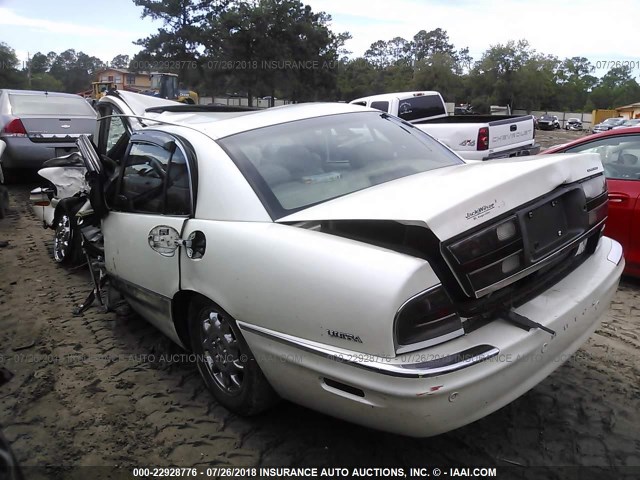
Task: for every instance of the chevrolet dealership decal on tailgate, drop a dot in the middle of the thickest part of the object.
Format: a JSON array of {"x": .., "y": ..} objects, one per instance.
[{"x": 511, "y": 136}]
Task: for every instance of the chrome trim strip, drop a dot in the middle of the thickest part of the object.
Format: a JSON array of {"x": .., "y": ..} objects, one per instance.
[
  {"x": 400, "y": 349},
  {"x": 430, "y": 368},
  {"x": 62, "y": 136},
  {"x": 536, "y": 266},
  {"x": 615, "y": 253}
]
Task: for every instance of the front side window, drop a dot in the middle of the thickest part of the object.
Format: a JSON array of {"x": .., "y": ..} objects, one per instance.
[
  {"x": 292, "y": 166},
  {"x": 155, "y": 180},
  {"x": 113, "y": 135},
  {"x": 620, "y": 155}
]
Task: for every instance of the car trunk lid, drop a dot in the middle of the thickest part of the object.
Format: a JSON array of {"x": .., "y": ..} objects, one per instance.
[{"x": 51, "y": 128}]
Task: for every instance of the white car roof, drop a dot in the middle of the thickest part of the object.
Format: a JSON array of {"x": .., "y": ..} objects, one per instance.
[
  {"x": 390, "y": 96},
  {"x": 220, "y": 124}
]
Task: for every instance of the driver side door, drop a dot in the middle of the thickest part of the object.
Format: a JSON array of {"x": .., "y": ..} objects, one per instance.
[{"x": 152, "y": 204}]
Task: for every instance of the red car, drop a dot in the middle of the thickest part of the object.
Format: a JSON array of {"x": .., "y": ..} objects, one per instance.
[{"x": 620, "y": 153}]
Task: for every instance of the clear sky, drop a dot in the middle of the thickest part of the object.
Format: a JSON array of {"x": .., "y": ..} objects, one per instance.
[{"x": 600, "y": 30}]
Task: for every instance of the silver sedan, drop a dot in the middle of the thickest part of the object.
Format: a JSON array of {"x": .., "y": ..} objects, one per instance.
[{"x": 37, "y": 126}]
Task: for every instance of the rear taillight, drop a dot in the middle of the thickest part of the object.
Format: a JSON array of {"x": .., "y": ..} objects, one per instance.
[
  {"x": 534, "y": 129},
  {"x": 483, "y": 138},
  {"x": 14, "y": 128},
  {"x": 425, "y": 320}
]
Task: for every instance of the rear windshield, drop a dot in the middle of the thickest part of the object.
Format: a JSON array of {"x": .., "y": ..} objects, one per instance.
[
  {"x": 49, "y": 105},
  {"x": 423, "y": 106},
  {"x": 294, "y": 166}
]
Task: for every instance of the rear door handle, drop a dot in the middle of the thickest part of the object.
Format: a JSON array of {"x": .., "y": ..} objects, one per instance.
[{"x": 617, "y": 198}]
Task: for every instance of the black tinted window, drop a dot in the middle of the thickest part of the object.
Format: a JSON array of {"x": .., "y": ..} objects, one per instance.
[
  {"x": 155, "y": 180},
  {"x": 421, "y": 107},
  {"x": 384, "y": 106}
]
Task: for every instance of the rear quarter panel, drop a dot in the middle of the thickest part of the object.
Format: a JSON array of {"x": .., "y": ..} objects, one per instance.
[{"x": 303, "y": 282}]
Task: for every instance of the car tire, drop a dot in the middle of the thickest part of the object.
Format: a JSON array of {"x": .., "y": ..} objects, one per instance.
[
  {"x": 4, "y": 201},
  {"x": 67, "y": 242},
  {"x": 228, "y": 368},
  {"x": 11, "y": 176}
]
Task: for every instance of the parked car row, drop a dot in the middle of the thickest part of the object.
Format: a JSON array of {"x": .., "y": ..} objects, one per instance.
[{"x": 551, "y": 122}]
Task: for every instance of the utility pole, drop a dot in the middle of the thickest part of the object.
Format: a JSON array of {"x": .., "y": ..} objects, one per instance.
[{"x": 29, "y": 69}]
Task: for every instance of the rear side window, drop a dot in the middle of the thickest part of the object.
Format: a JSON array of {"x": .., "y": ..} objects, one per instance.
[
  {"x": 155, "y": 180},
  {"x": 383, "y": 106},
  {"x": 50, "y": 105},
  {"x": 620, "y": 155},
  {"x": 421, "y": 107}
]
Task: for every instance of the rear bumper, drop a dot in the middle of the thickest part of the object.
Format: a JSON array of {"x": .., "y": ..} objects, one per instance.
[
  {"x": 519, "y": 151},
  {"x": 45, "y": 211},
  {"x": 441, "y": 388},
  {"x": 515, "y": 152},
  {"x": 21, "y": 152}
]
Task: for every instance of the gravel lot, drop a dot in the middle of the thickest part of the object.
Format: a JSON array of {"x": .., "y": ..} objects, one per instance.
[{"x": 92, "y": 390}]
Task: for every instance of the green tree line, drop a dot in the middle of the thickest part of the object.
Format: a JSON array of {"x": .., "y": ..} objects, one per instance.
[{"x": 283, "y": 48}]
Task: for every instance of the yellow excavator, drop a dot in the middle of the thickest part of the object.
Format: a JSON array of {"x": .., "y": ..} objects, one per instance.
[
  {"x": 97, "y": 91},
  {"x": 100, "y": 89},
  {"x": 165, "y": 85}
]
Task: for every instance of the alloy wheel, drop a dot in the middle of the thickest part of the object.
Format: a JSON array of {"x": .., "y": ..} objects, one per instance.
[
  {"x": 62, "y": 238},
  {"x": 221, "y": 351}
]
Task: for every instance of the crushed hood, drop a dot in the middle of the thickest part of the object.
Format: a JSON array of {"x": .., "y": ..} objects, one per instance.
[
  {"x": 68, "y": 180},
  {"x": 454, "y": 199}
]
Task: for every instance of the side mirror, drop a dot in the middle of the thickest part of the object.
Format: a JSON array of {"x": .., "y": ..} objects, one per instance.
[{"x": 121, "y": 202}]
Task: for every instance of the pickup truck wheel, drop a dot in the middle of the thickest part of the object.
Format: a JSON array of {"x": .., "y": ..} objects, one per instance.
[
  {"x": 226, "y": 363},
  {"x": 67, "y": 244}
]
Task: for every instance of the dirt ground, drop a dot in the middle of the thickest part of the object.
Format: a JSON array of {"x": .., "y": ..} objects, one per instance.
[{"x": 92, "y": 390}]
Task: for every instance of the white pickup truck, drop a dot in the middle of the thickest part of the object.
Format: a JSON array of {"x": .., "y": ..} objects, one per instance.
[{"x": 473, "y": 137}]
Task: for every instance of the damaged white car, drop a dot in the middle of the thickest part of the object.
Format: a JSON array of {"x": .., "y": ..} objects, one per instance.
[{"x": 343, "y": 259}]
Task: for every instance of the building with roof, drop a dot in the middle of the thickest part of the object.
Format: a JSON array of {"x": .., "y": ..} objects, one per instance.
[
  {"x": 629, "y": 111},
  {"x": 124, "y": 78}
]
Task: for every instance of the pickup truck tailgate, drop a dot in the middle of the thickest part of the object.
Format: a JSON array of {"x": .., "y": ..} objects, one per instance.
[{"x": 511, "y": 132}]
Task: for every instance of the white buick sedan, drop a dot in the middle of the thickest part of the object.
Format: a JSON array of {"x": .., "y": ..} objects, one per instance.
[{"x": 340, "y": 258}]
